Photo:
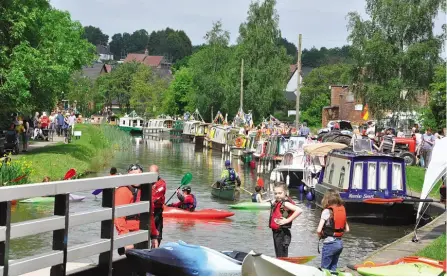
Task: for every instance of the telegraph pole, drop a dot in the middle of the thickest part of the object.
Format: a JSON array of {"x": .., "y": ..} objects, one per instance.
[
  {"x": 242, "y": 84},
  {"x": 298, "y": 89}
]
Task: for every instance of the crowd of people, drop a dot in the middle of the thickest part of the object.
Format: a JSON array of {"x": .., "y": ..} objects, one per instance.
[{"x": 332, "y": 225}]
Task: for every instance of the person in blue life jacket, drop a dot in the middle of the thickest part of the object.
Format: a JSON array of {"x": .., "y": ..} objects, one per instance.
[
  {"x": 257, "y": 196},
  {"x": 187, "y": 201},
  {"x": 229, "y": 176}
]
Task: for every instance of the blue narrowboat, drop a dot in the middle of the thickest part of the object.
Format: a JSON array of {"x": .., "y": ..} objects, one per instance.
[{"x": 362, "y": 175}]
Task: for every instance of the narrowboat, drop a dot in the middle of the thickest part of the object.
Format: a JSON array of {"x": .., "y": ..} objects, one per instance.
[
  {"x": 189, "y": 129},
  {"x": 250, "y": 147},
  {"x": 235, "y": 142},
  {"x": 358, "y": 174},
  {"x": 131, "y": 123},
  {"x": 158, "y": 125},
  {"x": 201, "y": 132},
  {"x": 217, "y": 137}
]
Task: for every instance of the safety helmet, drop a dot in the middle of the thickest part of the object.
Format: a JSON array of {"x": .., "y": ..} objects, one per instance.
[
  {"x": 227, "y": 163},
  {"x": 187, "y": 189},
  {"x": 134, "y": 167}
]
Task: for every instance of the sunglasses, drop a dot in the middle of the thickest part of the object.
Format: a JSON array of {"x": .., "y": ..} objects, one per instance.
[{"x": 134, "y": 167}]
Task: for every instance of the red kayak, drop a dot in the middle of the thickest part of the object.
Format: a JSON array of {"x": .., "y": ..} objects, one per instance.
[{"x": 198, "y": 214}]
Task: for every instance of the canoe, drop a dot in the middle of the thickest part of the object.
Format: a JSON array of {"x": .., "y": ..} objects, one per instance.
[
  {"x": 197, "y": 214},
  {"x": 403, "y": 269},
  {"x": 49, "y": 199},
  {"x": 182, "y": 259},
  {"x": 251, "y": 206},
  {"x": 408, "y": 259},
  {"x": 224, "y": 192},
  {"x": 261, "y": 265}
]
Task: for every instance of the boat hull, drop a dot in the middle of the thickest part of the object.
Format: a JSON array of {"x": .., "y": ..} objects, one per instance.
[
  {"x": 389, "y": 214},
  {"x": 224, "y": 192},
  {"x": 251, "y": 206},
  {"x": 295, "y": 177},
  {"x": 199, "y": 141},
  {"x": 131, "y": 129},
  {"x": 170, "y": 212}
]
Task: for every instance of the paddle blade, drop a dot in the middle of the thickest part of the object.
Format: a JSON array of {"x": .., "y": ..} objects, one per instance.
[
  {"x": 97, "y": 191},
  {"x": 186, "y": 179},
  {"x": 70, "y": 174},
  {"x": 383, "y": 200},
  {"x": 297, "y": 260},
  {"x": 18, "y": 179}
]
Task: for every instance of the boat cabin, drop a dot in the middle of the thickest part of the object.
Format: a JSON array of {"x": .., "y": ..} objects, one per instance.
[
  {"x": 189, "y": 127},
  {"x": 159, "y": 123},
  {"x": 202, "y": 129},
  {"x": 131, "y": 122}
]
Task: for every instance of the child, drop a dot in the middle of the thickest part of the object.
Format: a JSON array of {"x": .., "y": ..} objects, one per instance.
[
  {"x": 257, "y": 196},
  {"x": 331, "y": 228},
  {"x": 282, "y": 213}
]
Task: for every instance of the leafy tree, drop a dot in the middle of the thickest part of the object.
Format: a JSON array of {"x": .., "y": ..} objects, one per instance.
[
  {"x": 138, "y": 42},
  {"x": 179, "y": 93},
  {"x": 80, "y": 89},
  {"x": 394, "y": 52},
  {"x": 434, "y": 115},
  {"x": 170, "y": 43},
  {"x": 318, "y": 57},
  {"x": 312, "y": 113},
  {"x": 41, "y": 48},
  {"x": 146, "y": 91},
  {"x": 95, "y": 36},
  {"x": 291, "y": 49},
  {"x": 266, "y": 65}
]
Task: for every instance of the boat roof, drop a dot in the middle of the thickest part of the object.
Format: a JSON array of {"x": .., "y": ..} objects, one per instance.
[
  {"x": 322, "y": 149},
  {"x": 349, "y": 153}
]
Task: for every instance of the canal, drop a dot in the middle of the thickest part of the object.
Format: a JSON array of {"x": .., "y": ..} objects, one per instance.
[{"x": 245, "y": 231}]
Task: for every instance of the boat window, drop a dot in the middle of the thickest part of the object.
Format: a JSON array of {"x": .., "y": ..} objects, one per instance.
[
  {"x": 331, "y": 174},
  {"x": 341, "y": 181},
  {"x": 372, "y": 180},
  {"x": 397, "y": 177},
  {"x": 383, "y": 176},
  {"x": 357, "y": 180}
]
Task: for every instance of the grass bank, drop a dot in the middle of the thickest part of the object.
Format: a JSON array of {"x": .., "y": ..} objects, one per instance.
[
  {"x": 415, "y": 180},
  {"x": 89, "y": 153},
  {"x": 436, "y": 250}
]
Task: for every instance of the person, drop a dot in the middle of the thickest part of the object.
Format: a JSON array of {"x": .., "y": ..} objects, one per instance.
[
  {"x": 229, "y": 176},
  {"x": 356, "y": 136},
  {"x": 304, "y": 130},
  {"x": 187, "y": 201},
  {"x": 46, "y": 179},
  {"x": 60, "y": 123},
  {"x": 257, "y": 196},
  {"x": 113, "y": 171},
  {"x": 128, "y": 195},
  {"x": 388, "y": 143},
  {"x": 332, "y": 226},
  {"x": 400, "y": 133},
  {"x": 442, "y": 190},
  {"x": 159, "y": 199},
  {"x": 25, "y": 134},
  {"x": 428, "y": 141},
  {"x": 283, "y": 211}
]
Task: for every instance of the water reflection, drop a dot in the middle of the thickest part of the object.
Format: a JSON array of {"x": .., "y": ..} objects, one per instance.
[{"x": 245, "y": 231}]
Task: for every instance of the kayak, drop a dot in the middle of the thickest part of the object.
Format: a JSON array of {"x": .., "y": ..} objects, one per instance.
[
  {"x": 198, "y": 214},
  {"x": 251, "y": 206},
  {"x": 49, "y": 199},
  {"x": 407, "y": 266},
  {"x": 404, "y": 269},
  {"x": 182, "y": 259},
  {"x": 262, "y": 265}
]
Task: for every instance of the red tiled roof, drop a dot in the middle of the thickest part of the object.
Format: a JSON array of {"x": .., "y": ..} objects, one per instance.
[
  {"x": 142, "y": 58},
  {"x": 292, "y": 68}
]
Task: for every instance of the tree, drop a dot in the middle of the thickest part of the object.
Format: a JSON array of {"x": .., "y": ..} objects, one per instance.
[
  {"x": 291, "y": 49},
  {"x": 266, "y": 63},
  {"x": 179, "y": 94},
  {"x": 434, "y": 115},
  {"x": 95, "y": 36},
  {"x": 146, "y": 91},
  {"x": 315, "y": 93},
  {"x": 80, "y": 89},
  {"x": 394, "y": 52},
  {"x": 41, "y": 48},
  {"x": 173, "y": 44}
]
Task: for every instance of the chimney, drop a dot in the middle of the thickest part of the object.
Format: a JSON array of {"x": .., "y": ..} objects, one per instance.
[{"x": 146, "y": 52}]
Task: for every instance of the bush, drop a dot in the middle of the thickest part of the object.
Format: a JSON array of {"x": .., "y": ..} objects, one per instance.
[{"x": 11, "y": 170}]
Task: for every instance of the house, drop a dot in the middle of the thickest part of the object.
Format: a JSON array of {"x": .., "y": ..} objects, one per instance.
[
  {"x": 158, "y": 62},
  {"x": 290, "y": 92},
  {"x": 103, "y": 52}
]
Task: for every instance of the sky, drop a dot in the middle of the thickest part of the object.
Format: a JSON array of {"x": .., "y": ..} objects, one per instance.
[{"x": 321, "y": 22}]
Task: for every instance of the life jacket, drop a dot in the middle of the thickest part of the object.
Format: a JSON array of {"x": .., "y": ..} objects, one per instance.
[
  {"x": 188, "y": 206},
  {"x": 161, "y": 197},
  {"x": 253, "y": 197},
  {"x": 135, "y": 195},
  {"x": 277, "y": 211},
  {"x": 231, "y": 175},
  {"x": 337, "y": 222}
]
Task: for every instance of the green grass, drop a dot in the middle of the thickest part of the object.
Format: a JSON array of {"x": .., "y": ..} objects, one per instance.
[
  {"x": 89, "y": 153},
  {"x": 436, "y": 250},
  {"x": 415, "y": 180}
]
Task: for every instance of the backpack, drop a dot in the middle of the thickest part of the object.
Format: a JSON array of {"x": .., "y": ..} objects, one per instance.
[{"x": 232, "y": 175}]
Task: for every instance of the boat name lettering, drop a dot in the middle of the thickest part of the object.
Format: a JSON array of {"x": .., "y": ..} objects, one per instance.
[{"x": 360, "y": 196}]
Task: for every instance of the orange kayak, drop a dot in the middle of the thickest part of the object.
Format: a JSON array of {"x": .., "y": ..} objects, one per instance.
[
  {"x": 197, "y": 214},
  {"x": 404, "y": 260}
]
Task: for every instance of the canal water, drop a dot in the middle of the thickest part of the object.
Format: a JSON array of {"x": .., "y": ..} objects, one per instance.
[{"x": 245, "y": 231}]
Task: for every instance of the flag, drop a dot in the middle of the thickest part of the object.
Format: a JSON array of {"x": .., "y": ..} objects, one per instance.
[{"x": 365, "y": 113}]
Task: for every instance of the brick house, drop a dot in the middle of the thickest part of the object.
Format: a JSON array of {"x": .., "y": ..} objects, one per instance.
[
  {"x": 159, "y": 62},
  {"x": 344, "y": 106}
]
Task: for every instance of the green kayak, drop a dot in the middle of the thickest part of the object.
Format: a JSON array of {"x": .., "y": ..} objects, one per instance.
[
  {"x": 405, "y": 269},
  {"x": 251, "y": 206},
  {"x": 49, "y": 199}
]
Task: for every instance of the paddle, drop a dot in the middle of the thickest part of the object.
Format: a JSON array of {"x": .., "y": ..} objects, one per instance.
[
  {"x": 395, "y": 200},
  {"x": 185, "y": 180},
  {"x": 297, "y": 260},
  {"x": 70, "y": 174},
  {"x": 246, "y": 190},
  {"x": 15, "y": 180}
]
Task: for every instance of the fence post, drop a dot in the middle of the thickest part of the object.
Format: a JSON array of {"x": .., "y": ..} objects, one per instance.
[
  {"x": 145, "y": 219},
  {"x": 5, "y": 220},
  {"x": 107, "y": 232},
  {"x": 60, "y": 237}
]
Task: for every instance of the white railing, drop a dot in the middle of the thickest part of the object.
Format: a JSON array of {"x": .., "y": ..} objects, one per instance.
[{"x": 60, "y": 222}]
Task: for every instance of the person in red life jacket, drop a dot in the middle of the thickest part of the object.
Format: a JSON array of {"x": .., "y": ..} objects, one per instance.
[
  {"x": 187, "y": 200},
  {"x": 332, "y": 226},
  {"x": 128, "y": 195},
  {"x": 158, "y": 198},
  {"x": 282, "y": 213}
]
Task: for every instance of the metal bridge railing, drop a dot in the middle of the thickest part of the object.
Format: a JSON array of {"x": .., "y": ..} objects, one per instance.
[{"x": 60, "y": 222}]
